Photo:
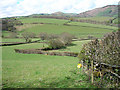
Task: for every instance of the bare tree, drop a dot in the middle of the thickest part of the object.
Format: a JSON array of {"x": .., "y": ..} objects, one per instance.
[
  {"x": 28, "y": 36},
  {"x": 43, "y": 35}
]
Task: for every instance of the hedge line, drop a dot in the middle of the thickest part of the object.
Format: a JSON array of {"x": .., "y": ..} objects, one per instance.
[
  {"x": 36, "y": 51},
  {"x": 18, "y": 43}
]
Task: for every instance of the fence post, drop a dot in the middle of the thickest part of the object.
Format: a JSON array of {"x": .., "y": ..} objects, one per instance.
[{"x": 92, "y": 77}]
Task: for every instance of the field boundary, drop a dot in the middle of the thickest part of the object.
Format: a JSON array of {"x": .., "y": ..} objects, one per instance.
[
  {"x": 19, "y": 43},
  {"x": 66, "y": 24},
  {"x": 39, "y": 51}
]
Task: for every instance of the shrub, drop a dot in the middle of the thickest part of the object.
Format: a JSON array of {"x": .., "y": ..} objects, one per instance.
[
  {"x": 106, "y": 50},
  {"x": 56, "y": 43},
  {"x": 52, "y": 36},
  {"x": 66, "y": 38},
  {"x": 28, "y": 36},
  {"x": 13, "y": 35},
  {"x": 43, "y": 35},
  {"x": 91, "y": 37}
]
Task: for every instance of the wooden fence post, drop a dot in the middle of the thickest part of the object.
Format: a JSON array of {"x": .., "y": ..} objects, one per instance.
[{"x": 92, "y": 72}]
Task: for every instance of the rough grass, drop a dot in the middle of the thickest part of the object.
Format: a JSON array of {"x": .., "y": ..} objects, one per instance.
[{"x": 36, "y": 70}]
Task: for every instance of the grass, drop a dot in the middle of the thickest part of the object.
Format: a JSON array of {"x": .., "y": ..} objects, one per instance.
[
  {"x": 16, "y": 39},
  {"x": 93, "y": 25},
  {"x": 78, "y": 31},
  {"x": 82, "y": 30},
  {"x": 36, "y": 70},
  {"x": 100, "y": 19},
  {"x": 75, "y": 47},
  {"x": 43, "y": 20}
]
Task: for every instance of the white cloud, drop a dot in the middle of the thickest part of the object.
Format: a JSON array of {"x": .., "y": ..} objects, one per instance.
[
  {"x": 101, "y": 3},
  {"x": 26, "y": 7}
]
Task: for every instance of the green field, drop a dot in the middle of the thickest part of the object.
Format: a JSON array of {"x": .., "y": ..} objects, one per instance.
[
  {"x": 36, "y": 70},
  {"x": 93, "y": 25},
  {"x": 81, "y": 30},
  {"x": 43, "y": 20},
  {"x": 17, "y": 39},
  {"x": 75, "y": 30},
  {"x": 100, "y": 19},
  {"x": 75, "y": 47}
]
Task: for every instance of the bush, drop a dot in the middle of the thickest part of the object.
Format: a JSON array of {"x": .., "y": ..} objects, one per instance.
[
  {"x": 56, "y": 43},
  {"x": 91, "y": 37},
  {"x": 67, "y": 38},
  {"x": 52, "y": 36},
  {"x": 43, "y": 35},
  {"x": 104, "y": 51},
  {"x": 13, "y": 35},
  {"x": 28, "y": 36}
]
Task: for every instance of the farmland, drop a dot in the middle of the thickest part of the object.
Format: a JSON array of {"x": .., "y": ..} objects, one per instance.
[
  {"x": 100, "y": 19},
  {"x": 57, "y": 27},
  {"x": 36, "y": 70}
]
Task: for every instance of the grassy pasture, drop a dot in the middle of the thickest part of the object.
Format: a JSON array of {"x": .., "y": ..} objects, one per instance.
[
  {"x": 100, "y": 19},
  {"x": 82, "y": 30},
  {"x": 78, "y": 31},
  {"x": 36, "y": 70},
  {"x": 16, "y": 39},
  {"x": 93, "y": 25},
  {"x": 76, "y": 47},
  {"x": 43, "y": 20}
]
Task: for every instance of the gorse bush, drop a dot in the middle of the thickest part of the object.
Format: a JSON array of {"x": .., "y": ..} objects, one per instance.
[{"x": 106, "y": 50}]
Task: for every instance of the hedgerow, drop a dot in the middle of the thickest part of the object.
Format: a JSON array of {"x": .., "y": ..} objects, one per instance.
[{"x": 106, "y": 54}]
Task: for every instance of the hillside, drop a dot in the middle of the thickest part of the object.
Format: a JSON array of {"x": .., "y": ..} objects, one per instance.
[{"x": 109, "y": 10}]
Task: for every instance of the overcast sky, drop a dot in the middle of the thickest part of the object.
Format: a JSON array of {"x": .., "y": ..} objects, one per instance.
[{"x": 10, "y": 8}]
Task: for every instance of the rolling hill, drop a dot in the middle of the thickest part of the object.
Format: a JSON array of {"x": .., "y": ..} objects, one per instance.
[{"x": 109, "y": 10}]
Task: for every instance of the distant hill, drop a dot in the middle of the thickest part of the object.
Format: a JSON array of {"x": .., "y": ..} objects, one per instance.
[
  {"x": 64, "y": 14},
  {"x": 109, "y": 10}
]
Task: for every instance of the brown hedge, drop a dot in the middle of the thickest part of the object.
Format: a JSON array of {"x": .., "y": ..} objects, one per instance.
[{"x": 35, "y": 51}]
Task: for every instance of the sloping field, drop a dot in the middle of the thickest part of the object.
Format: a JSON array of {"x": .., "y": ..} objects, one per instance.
[
  {"x": 36, "y": 70},
  {"x": 42, "y": 20},
  {"x": 100, "y": 19},
  {"x": 78, "y": 31}
]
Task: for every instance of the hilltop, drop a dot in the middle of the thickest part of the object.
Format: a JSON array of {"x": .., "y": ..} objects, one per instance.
[{"x": 109, "y": 10}]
